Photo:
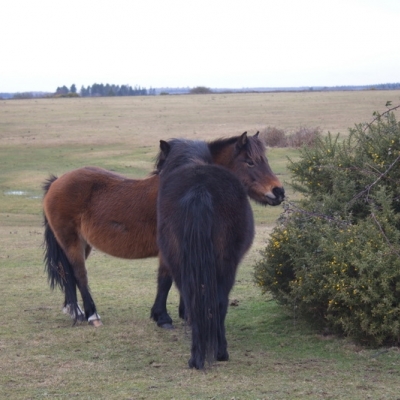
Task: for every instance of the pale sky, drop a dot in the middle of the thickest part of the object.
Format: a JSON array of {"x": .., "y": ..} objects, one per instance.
[{"x": 184, "y": 43}]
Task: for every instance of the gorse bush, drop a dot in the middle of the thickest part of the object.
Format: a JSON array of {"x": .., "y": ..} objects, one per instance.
[{"x": 334, "y": 257}]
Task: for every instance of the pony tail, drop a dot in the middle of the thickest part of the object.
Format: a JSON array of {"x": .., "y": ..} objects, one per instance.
[
  {"x": 59, "y": 270},
  {"x": 57, "y": 266},
  {"x": 199, "y": 278}
]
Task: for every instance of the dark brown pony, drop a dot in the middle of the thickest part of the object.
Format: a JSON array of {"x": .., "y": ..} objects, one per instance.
[
  {"x": 91, "y": 207},
  {"x": 205, "y": 226}
]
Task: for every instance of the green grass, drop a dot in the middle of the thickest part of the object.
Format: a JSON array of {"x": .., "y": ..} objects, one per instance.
[{"x": 273, "y": 354}]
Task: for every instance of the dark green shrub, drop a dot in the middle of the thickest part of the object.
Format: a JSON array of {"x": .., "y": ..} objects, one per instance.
[
  {"x": 200, "y": 90},
  {"x": 335, "y": 256},
  {"x": 67, "y": 95}
]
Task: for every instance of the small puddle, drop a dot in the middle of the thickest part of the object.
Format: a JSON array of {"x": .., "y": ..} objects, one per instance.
[
  {"x": 20, "y": 193},
  {"x": 16, "y": 193}
]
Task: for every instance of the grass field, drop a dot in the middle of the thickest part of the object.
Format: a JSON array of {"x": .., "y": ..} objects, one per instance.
[{"x": 273, "y": 355}]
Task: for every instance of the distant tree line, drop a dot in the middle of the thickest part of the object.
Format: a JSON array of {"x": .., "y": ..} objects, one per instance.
[
  {"x": 99, "y": 90},
  {"x": 380, "y": 86},
  {"x": 386, "y": 86}
]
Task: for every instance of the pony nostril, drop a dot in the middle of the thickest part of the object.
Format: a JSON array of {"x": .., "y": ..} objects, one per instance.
[{"x": 279, "y": 192}]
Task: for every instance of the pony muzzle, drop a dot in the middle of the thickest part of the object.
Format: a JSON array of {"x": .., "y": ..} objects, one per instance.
[{"x": 276, "y": 196}]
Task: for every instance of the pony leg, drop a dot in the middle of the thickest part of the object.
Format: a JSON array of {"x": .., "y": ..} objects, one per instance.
[
  {"x": 223, "y": 299},
  {"x": 181, "y": 308},
  {"x": 90, "y": 308},
  {"x": 159, "y": 310},
  {"x": 71, "y": 306},
  {"x": 77, "y": 259},
  {"x": 73, "y": 310},
  {"x": 60, "y": 273},
  {"x": 94, "y": 319}
]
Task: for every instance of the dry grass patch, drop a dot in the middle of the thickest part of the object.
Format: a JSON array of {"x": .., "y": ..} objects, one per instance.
[{"x": 137, "y": 120}]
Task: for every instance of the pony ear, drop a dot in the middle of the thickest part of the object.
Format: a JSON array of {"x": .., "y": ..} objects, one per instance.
[
  {"x": 165, "y": 147},
  {"x": 256, "y": 135},
  {"x": 242, "y": 140}
]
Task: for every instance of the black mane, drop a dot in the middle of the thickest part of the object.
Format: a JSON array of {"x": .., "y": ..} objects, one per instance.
[
  {"x": 182, "y": 152},
  {"x": 217, "y": 145}
]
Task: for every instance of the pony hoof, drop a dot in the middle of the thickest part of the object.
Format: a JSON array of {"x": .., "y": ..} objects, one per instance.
[
  {"x": 95, "y": 322},
  {"x": 167, "y": 326}
]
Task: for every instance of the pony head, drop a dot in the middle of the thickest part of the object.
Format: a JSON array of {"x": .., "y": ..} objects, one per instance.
[{"x": 245, "y": 156}]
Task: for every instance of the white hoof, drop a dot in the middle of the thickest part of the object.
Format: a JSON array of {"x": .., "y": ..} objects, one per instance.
[{"x": 95, "y": 320}]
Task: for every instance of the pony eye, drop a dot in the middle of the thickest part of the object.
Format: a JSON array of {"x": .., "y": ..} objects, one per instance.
[{"x": 250, "y": 163}]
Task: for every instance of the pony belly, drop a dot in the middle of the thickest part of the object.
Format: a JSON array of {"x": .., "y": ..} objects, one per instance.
[{"x": 124, "y": 244}]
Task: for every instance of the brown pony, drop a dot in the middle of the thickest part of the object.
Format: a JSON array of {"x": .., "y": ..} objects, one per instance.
[{"x": 91, "y": 207}]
